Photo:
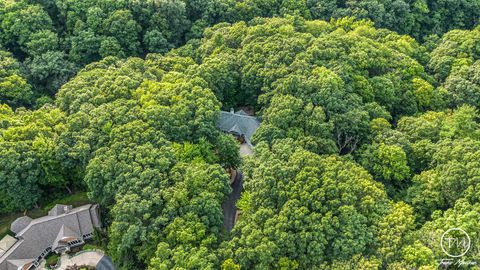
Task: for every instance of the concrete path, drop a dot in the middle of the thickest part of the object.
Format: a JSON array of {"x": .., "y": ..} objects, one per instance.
[
  {"x": 90, "y": 258},
  {"x": 245, "y": 150},
  {"x": 229, "y": 208},
  {"x": 86, "y": 258}
]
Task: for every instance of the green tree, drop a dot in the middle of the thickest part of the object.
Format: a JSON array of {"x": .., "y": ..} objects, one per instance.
[
  {"x": 455, "y": 63},
  {"x": 336, "y": 202},
  {"x": 49, "y": 71},
  {"x": 30, "y": 162},
  {"x": 14, "y": 89}
]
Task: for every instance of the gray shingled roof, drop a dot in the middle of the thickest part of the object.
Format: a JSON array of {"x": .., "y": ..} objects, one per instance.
[
  {"x": 59, "y": 209},
  {"x": 65, "y": 232},
  {"x": 19, "y": 224},
  {"x": 41, "y": 233},
  {"x": 15, "y": 264},
  {"x": 241, "y": 112},
  {"x": 238, "y": 123}
]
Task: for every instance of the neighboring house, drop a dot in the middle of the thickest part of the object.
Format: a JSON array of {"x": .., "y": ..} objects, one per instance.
[
  {"x": 64, "y": 227},
  {"x": 241, "y": 125}
]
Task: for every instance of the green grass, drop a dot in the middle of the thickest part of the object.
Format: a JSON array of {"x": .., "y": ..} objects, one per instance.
[
  {"x": 90, "y": 247},
  {"x": 52, "y": 259},
  {"x": 75, "y": 199}
]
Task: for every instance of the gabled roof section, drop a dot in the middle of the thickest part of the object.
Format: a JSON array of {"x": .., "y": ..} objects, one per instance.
[
  {"x": 59, "y": 209},
  {"x": 19, "y": 224},
  {"x": 238, "y": 123},
  {"x": 235, "y": 129},
  {"x": 18, "y": 264},
  {"x": 65, "y": 234},
  {"x": 242, "y": 112}
]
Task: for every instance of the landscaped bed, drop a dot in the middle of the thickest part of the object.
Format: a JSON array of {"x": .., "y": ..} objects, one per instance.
[{"x": 52, "y": 260}]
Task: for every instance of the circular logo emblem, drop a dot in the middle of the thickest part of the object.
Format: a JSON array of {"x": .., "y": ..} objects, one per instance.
[{"x": 455, "y": 242}]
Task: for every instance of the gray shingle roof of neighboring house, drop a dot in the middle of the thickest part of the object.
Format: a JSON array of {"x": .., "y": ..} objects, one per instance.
[
  {"x": 43, "y": 233},
  {"x": 59, "y": 209},
  {"x": 19, "y": 224},
  {"x": 238, "y": 123},
  {"x": 6, "y": 243},
  {"x": 17, "y": 264}
]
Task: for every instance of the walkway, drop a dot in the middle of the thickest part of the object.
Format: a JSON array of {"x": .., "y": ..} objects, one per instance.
[
  {"x": 229, "y": 208},
  {"x": 90, "y": 258}
]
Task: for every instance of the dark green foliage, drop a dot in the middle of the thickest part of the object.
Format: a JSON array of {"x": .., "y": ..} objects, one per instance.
[
  {"x": 80, "y": 32},
  {"x": 14, "y": 89},
  {"x": 319, "y": 83}
]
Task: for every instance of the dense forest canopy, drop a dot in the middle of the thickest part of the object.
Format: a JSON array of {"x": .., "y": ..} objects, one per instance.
[
  {"x": 369, "y": 144},
  {"x": 53, "y": 39}
]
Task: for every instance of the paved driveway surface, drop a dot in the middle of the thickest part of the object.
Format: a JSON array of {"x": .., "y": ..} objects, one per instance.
[
  {"x": 229, "y": 208},
  {"x": 105, "y": 264}
]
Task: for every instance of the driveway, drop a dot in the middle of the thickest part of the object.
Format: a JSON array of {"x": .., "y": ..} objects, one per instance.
[
  {"x": 229, "y": 208},
  {"x": 105, "y": 264}
]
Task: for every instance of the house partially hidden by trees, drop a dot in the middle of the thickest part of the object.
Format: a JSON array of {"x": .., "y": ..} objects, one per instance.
[
  {"x": 241, "y": 125},
  {"x": 64, "y": 227}
]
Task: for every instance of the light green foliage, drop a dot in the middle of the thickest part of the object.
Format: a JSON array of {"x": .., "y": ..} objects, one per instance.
[
  {"x": 394, "y": 231},
  {"x": 320, "y": 84},
  {"x": 30, "y": 164},
  {"x": 463, "y": 215},
  {"x": 390, "y": 163},
  {"x": 137, "y": 131},
  {"x": 337, "y": 208},
  {"x": 230, "y": 265},
  {"x": 418, "y": 18},
  {"x": 418, "y": 255},
  {"x": 438, "y": 149},
  {"x": 85, "y": 31},
  {"x": 356, "y": 262},
  {"x": 142, "y": 135}
]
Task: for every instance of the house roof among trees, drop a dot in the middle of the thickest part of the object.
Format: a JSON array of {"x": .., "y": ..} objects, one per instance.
[
  {"x": 238, "y": 123},
  {"x": 42, "y": 233}
]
